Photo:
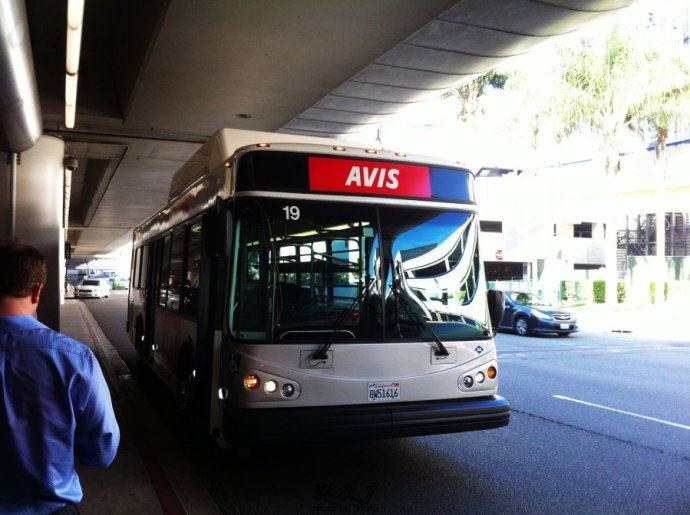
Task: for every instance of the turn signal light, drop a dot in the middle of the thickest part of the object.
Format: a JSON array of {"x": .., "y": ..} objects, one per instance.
[
  {"x": 491, "y": 372},
  {"x": 251, "y": 382}
]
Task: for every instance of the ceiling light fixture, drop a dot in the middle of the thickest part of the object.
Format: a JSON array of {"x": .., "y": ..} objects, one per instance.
[{"x": 75, "y": 17}]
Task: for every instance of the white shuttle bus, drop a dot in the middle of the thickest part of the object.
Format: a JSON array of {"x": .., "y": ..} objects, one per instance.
[{"x": 292, "y": 290}]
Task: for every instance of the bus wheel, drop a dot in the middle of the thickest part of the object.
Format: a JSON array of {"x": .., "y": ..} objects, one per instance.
[
  {"x": 521, "y": 326},
  {"x": 185, "y": 387}
]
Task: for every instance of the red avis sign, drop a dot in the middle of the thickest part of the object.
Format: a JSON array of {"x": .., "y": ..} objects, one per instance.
[{"x": 374, "y": 177}]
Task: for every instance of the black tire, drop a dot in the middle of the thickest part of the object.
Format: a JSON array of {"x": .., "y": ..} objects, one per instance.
[{"x": 521, "y": 326}]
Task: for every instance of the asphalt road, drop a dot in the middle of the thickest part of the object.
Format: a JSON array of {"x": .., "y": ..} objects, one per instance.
[{"x": 600, "y": 424}]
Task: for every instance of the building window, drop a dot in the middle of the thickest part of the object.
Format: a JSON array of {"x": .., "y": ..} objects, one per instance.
[
  {"x": 585, "y": 266},
  {"x": 490, "y": 226},
  {"x": 583, "y": 230}
]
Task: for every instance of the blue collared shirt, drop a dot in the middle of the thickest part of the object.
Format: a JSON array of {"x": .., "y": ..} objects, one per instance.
[{"x": 55, "y": 406}]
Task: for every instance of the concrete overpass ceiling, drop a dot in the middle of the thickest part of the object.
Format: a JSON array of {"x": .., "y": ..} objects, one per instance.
[
  {"x": 158, "y": 77},
  {"x": 471, "y": 38}
]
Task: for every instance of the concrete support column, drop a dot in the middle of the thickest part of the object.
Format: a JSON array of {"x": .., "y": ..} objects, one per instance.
[{"x": 38, "y": 215}]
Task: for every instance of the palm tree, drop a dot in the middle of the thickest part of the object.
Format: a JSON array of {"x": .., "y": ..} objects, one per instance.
[
  {"x": 603, "y": 80},
  {"x": 667, "y": 99}
]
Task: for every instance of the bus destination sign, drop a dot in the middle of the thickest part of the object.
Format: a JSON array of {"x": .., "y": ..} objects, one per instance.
[{"x": 369, "y": 177}]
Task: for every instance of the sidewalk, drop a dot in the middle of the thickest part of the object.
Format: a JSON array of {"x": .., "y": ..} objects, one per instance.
[
  {"x": 149, "y": 475},
  {"x": 669, "y": 320}
]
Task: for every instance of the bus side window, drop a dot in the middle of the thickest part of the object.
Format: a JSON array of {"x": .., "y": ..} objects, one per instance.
[
  {"x": 144, "y": 267},
  {"x": 163, "y": 277},
  {"x": 251, "y": 294},
  {"x": 253, "y": 286},
  {"x": 136, "y": 267},
  {"x": 175, "y": 271},
  {"x": 190, "y": 304}
]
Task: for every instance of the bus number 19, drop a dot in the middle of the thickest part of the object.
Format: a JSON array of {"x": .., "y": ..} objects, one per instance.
[{"x": 291, "y": 212}]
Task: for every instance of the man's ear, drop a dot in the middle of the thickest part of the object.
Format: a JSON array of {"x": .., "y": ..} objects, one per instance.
[{"x": 36, "y": 293}]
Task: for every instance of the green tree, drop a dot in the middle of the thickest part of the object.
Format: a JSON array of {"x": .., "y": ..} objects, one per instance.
[
  {"x": 620, "y": 83},
  {"x": 469, "y": 98},
  {"x": 537, "y": 105},
  {"x": 667, "y": 94},
  {"x": 604, "y": 80},
  {"x": 625, "y": 81},
  {"x": 470, "y": 93}
]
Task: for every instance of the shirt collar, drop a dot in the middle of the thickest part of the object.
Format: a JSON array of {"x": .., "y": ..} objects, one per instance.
[{"x": 12, "y": 323}]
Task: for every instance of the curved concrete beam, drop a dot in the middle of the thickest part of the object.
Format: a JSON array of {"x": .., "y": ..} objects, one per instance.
[{"x": 20, "y": 114}]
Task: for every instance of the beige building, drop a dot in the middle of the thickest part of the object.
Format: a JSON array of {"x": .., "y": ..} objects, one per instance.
[{"x": 540, "y": 228}]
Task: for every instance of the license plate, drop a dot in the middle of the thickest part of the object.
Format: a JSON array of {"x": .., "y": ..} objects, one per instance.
[
  {"x": 383, "y": 392},
  {"x": 565, "y": 326}
]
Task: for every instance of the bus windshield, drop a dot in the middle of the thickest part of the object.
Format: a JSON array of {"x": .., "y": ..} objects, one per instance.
[{"x": 312, "y": 271}]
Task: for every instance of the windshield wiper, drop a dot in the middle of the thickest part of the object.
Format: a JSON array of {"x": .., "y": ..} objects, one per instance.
[
  {"x": 397, "y": 288},
  {"x": 343, "y": 319}
]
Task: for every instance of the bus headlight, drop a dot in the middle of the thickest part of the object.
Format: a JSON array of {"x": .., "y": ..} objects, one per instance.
[
  {"x": 480, "y": 379},
  {"x": 264, "y": 387}
]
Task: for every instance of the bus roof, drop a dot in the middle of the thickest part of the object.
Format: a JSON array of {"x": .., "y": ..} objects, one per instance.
[
  {"x": 225, "y": 142},
  {"x": 222, "y": 145}
]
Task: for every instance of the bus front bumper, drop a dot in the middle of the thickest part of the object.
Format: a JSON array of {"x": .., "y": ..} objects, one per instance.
[{"x": 266, "y": 426}]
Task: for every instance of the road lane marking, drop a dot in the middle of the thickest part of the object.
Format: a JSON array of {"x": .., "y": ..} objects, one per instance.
[
  {"x": 504, "y": 355},
  {"x": 668, "y": 423}
]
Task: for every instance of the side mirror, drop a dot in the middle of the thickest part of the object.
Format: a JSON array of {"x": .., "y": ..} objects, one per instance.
[
  {"x": 497, "y": 307},
  {"x": 217, "y": 231}
]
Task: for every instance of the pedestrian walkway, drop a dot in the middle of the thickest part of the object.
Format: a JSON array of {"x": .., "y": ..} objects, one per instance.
[
  {"x": 150, "y": 475},
  {"x": 669, "y": 320}
]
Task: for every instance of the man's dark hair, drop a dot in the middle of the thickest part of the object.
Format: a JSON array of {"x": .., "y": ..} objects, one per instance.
[{"x": 21, "y": 269}]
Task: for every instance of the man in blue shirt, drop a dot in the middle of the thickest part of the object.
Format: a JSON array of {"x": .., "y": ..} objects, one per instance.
[{"x": 55, "y": 405}]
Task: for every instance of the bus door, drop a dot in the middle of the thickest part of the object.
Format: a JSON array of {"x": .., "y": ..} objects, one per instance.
[
  {"x": 208, "y": 259},
  {"x": 145, "y": 352},
  {"x": 172, "y": 331}
]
